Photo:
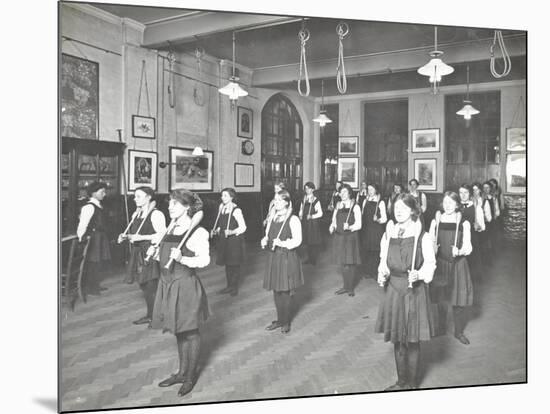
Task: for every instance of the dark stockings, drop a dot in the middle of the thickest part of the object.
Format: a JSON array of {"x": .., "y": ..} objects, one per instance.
[
  {"x": 406, "y": 362},
  {"x": 348, "y": 275},
  {"x": 459, "y": 315},
  {"x": 312, "y": 253},
  {"x": 149, "y": 289},
  {"x": 188, "y": 352},
  {"x": 283, "y": 305}
]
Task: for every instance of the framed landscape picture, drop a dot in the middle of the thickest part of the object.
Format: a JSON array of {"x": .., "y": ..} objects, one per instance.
[
  {"x": 516, "y": 139},
  {"x": 425, "y": 140},
  {"x": 516, "y": 173},
  {"x": 79, "y": 97},
  {"x": 191, "y": 172},
  {"x": 143, "y": 127},
  {"x": 142, "y": 169},
  {"x": 348, "y": 146},
  {"x": 425, "y": 172},
  {"x": 348, "y": 171}
]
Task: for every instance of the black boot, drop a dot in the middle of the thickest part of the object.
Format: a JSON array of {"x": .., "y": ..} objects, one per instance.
[{"x": 459, "y": 316}]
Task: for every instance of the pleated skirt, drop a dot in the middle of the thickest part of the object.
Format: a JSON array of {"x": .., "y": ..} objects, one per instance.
[
  {"x": 284, "y": 270},
  {"x": 452, "y": 283},
  {"x": 347, "y": 248}
]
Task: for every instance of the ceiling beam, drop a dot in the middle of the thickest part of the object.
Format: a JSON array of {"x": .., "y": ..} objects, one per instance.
[
  {"x": 387, "y": 62},
  {"x": 185, "y": 29}
]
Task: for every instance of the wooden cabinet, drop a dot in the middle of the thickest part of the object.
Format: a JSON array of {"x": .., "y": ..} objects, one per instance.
[{"x": 82, "y": 162}]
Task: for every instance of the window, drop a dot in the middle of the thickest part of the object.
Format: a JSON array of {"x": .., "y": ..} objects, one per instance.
[{"x": 473, "y": 147}]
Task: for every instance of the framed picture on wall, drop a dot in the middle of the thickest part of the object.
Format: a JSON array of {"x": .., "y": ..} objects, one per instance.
[
  {"x": 516, "y": 173},
  {"x": 348, "y": 171},
  {"x": 244, "y": 175},
  {"x": 79, "y": 97},
  {"x": 143, "y": 127},
  {"x": 195, "y": 173},
  {"x": 142, "y": 169},
  {"x": 348, "y": 146},
  {"x": 425, "y": 140},
  {"x": 425, "y": 171},
  {"x": 244, "y": 122},
  {"x": 516, "y": 139}
]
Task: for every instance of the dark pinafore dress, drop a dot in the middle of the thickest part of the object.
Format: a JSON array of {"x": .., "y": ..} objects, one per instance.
[
  {"x": 346, "y": 242},
  {"x": 138, "y": 269},
  {"x": 360, "y": 199},
  {"x": 371, "y": 231},
  {"x": 284, "y": 269},
  {"x": 418, "y": 199},
  {"x": 404, "y": 314},
  {"x": 311, "y": 229},
  {"x": 230, "y": 250},
  {"x": 98, "y": 250},
  {"x": 452, "y": 282},
  {"x": 181, "y": 303}
]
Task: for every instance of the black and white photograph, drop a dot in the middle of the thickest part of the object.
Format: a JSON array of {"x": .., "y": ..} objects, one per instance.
[
  {"x": 425, "y": 140},
  {"x": 350, "y": 247},
  {"x": 142, "y": 169},
  {"x": 425, "y": 172},
  {"x": 348, "y": 146}
]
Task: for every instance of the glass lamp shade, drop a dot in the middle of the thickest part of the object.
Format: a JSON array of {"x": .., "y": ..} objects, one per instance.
[
  {"x": 435, "y": 68},
  {"x": 197, "y": 152},
  {"x": 232, "y": 89},
  {"x": 322, "y": 119},
  {"x": 467, "y": 110}
]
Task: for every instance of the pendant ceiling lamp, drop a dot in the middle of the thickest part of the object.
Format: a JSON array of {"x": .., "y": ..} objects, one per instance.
[
  {"x": 467, "y": 110},
  {"x": 233, "y": 89},
  {"x": 435, "y": 68},
  {"x": 322, "y": 119}
]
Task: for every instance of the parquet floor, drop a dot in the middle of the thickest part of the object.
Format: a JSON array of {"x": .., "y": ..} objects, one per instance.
[{"x": 106, "y": 362}]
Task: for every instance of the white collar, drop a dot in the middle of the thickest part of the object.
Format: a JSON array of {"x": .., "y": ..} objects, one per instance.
[{"x": 96, "y": 202}]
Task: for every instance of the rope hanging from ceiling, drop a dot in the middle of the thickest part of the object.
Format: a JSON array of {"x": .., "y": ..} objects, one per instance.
[
  {"x": 171, "y": 80},
  {"x": 341, "y": 81},
  {"x": 505, "y": 56},
  {"x": 303, "y": 35}
]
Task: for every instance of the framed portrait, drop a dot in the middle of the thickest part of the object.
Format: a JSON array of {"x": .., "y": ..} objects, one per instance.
[
  {"x": 516, "y": 139},
  {"x": 425, "y": 140},
  {"x": 143, "y": 127},
  {"x": 244, "y": 175},
  {"x": 192, "y": 172},
  {"x": 142, "y": 169},
  {"x": 348, "y": 146},
  {"x": 79, "y": 97},
  {"x": 244, "y": 122},
  {"x": 516, "y": 173},
  {"x": 348, "y": 171},
  {"x": 425, "y": 172}
]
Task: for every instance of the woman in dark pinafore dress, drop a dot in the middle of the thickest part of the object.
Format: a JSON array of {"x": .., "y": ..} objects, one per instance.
[
  {"x": 230, "y": 228},
  {"x": 420, "y": 200},
  {"x": 491, "y": 212},
  {"x": 310, "y": 215},
  {"x": 452, "y": 283},
  {"x": 147, "y": 226},
  {"x": 404, "y": 315},
  {"x": 284, "y": 269},
  {"x": 397, "y": 189},
  {"x": 473, "y": 213},
  {"x": 373, "y": 222},
  {"x": 346, "y": 223},
  {"x": 181, "y": 305}
]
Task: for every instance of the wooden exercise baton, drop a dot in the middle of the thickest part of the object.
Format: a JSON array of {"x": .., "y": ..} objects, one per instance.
[
  {"x": 289, "y": 213},
  {"x": 216, "y": 222},
  {"x": 168, "y": 230},
  {"x": 182, "y": 242},
  {"x": 134, "y": 216},
  {"x": 415, "y": 245},
  {"x": 458, "y": 220}
]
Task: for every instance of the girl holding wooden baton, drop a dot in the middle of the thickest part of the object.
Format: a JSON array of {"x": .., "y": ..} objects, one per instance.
[
  {"x": 284, "y": 269},
  {"x": 407, "y": 264},
  {"x": 346, "y": 221},
  {"x": 373, "y": 221},
  {"x": 230, "y": 227},
  {"x": 310, "y": 215},
  {"x": 181, "y": 305},
  {"x": 146, "y": 227},
  {"x": 452, "y": 283}
]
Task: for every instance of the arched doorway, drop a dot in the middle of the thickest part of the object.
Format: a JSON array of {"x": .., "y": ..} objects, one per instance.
[{"x": 282, "y": 143}]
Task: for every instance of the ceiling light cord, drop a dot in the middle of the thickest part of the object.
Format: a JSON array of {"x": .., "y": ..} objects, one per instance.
[
  {"x": 505, "y": 56},
  {"x": 341, "y": 81},
  {"x": 303, "y": 35}
]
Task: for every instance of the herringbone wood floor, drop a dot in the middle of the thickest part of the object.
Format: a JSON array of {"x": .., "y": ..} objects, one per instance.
[{"x": 106, "y": 362}]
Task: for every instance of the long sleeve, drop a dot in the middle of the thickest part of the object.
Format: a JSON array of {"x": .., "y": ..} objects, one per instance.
[
  {"x": 424, "y": 202},
  {"x": 383, "y": 215},
  {"x": 86, "y": 214},
  {"x": 497, "y": 207},
  {"x": 466, "y": 248},
  {"x": 426, "y": 272},
  {"x": 159, "y": 221},
  {"x": 238, "y": 214},
  {"x": 357, "y": 216},
  {"x": 198, "y": 243},
  {"x": 301, "y": 213},
  {"x": 333, "y": 222},
  {"x": 479, "y": 217},
  {"x": 296, "y": 230},
  {"x": 318, "y": 211},
  {"x": 432, "y": 229},
  {"x": 384, "y": 244},
  {"x": 487, "y": 212}
]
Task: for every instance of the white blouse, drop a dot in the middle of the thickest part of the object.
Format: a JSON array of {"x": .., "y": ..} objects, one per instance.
[
  {"x": 466, "y": 248},
  {"x": 381, "y": 208},
  {"x": 427, "y": 269},
  {"x": 237, "y": 214},
  {"x": 197, "y": 243},
  {"x": 356, "y": 215},
  {"x": 316, "y": 209}
]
